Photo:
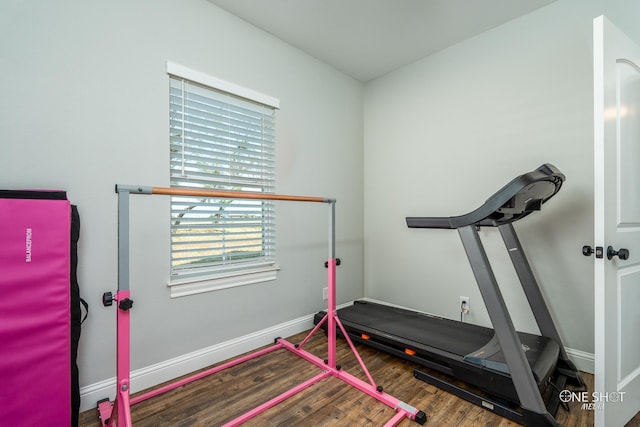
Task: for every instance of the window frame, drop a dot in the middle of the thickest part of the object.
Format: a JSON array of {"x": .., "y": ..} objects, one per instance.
[{"x": 184, "y": 282}]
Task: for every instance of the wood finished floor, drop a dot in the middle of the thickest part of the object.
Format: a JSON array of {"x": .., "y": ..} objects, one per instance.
[{"x": 219, "y": 398}]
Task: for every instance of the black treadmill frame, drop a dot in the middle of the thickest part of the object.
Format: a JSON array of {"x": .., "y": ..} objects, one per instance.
[
  {"x": 534, "y": 410},
  {"x": 501, "y": 210},
  {"x": 509, "y": 204}
]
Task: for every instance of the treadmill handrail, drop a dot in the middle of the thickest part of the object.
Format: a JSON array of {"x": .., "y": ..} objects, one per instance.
[{"x": 504, "y": 206}]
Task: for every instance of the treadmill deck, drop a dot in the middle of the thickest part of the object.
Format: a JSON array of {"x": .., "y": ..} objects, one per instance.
[{"x": 443, "y": 344}]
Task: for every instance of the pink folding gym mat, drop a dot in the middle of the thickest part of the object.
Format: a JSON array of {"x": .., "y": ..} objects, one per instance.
[{"x": 34, "y": 312}]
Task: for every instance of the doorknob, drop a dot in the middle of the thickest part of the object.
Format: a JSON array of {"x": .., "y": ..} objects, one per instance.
[
  {"x": 622, "y": 253},
  {"x": 588, "y": 250}
]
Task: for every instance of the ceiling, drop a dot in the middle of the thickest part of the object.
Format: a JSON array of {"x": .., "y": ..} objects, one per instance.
[{"x": 369, "y": 38}]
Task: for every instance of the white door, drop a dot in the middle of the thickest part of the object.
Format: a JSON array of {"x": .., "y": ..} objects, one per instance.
[{"x": 617, "y": 224}]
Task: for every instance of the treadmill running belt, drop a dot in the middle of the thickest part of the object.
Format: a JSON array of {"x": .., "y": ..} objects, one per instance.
[
  {"x": 416, "y": 328},
  {"x": 443, "y": 344}
]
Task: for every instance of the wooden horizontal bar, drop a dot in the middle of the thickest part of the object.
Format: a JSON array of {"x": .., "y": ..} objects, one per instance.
[{"x": 220, "y": 194}]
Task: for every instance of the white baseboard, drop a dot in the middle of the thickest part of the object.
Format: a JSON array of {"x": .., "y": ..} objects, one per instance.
[
  {"x": 584, "y": 361},
  {"x": 164, "y": 371}
]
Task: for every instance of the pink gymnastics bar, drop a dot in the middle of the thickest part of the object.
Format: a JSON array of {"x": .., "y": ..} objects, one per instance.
[{"x": 118, "y": 412}]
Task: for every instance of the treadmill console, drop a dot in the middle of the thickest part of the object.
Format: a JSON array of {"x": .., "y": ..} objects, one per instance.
[{"x": 520, "y": 197}]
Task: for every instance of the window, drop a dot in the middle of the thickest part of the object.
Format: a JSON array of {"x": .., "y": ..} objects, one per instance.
[{"x": 222, "y": 137}]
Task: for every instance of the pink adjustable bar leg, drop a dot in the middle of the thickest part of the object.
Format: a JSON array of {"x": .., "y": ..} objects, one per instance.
[
  {"x": 331, "y": 314},
  {"x": 121, "y": 405},
  {"x": 403, "y": 410},
  {"x": 331, "y": 289},
  {"x": 123, "y": 362},
  {"x": 120, "y": 410}
]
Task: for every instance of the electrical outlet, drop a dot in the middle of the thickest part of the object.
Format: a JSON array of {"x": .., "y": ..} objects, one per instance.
[
  {"x": 325, "y": 294},
  {"x": 464, "y": 305}
]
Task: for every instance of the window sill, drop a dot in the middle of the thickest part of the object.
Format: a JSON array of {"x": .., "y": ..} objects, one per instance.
[{"x": 197, "y": 285}]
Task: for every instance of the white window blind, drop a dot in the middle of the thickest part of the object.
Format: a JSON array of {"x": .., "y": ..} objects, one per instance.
[{"x": 224, "y": 142}]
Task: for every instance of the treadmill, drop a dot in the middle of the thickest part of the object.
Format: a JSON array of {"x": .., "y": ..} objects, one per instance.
[{"x": 514, "y": 371}]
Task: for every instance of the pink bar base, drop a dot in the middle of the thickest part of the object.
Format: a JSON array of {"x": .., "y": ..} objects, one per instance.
[
  {"x": 120, "y": 409},
  {"x": 397, "y": 418},
  {"x": 105, "y": 410},
  {"x": 277, "y": 400},
  {"x": 204, "y": 374}
]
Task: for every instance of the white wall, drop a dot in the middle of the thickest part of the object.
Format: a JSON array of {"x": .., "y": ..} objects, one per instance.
[
  {"x": 85, "y": 106},
  {"x": 453, "y": 128}
]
